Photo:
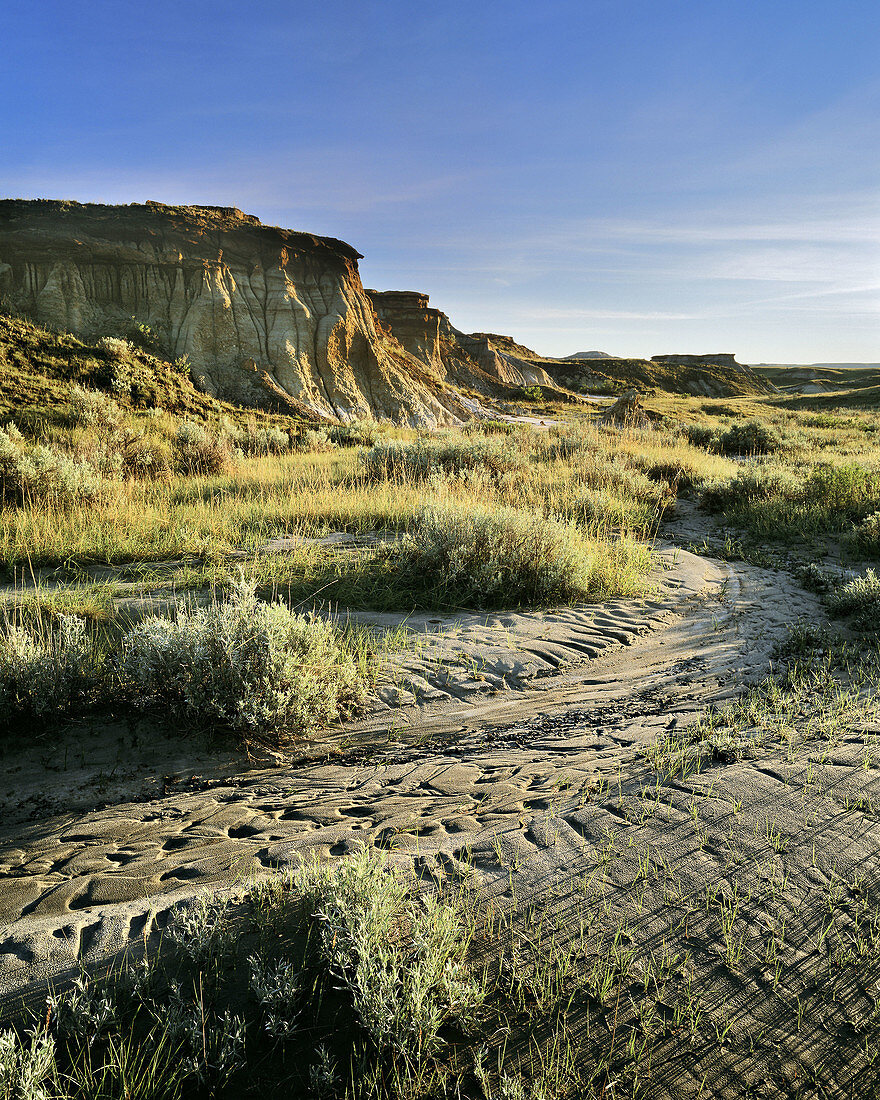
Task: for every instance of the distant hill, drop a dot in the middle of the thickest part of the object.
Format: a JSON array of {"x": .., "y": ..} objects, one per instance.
[
  {"x": 491, "y": 364},
  {"x": 701, "y": 376},
  {"x": 814, "y": 366},
  {"x": 848, "y": 383}
]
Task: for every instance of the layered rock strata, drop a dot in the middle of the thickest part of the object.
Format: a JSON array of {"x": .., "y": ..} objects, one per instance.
[
  {"x": 495, "y": 365},
  {"x": 412, "y": 323},
  {"x": 256, "y": 308},
  {"x": 483, "y": 361}
]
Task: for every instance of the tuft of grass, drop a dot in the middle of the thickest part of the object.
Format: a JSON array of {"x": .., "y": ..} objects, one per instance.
[
  {"x": 859, "y": 600},
  {"x": 866, "y": 535},
  {"x": 506, "y": 557},
  {"x": 451, "y": 456},
  {"x": 363, "y": 432}
]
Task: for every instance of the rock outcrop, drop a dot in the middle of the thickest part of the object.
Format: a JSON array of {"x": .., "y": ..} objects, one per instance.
[
  {"x": 412, "y": 323},
  {"x": 483, "y": 361},
  {"x": 700, "y": 376},
  {"x": 719, "y": 359},
  {"x": 590, "y": 355},
  {"x": 505, "y": 361},
  {"x": 257, "y": 309}
]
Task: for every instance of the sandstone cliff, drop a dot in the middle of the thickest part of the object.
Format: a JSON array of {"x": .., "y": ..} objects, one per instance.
[
  {"x": 482, "y": 361},
  {"x": 497, "y": 366},
  {"x": 258, "y": 310}
]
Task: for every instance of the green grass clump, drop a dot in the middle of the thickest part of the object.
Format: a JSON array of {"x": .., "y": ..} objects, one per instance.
[
  {"x": 750, "y": 437},
  {"x": 777, "y": 499},
  {"x": 859, "y": 600},
  {"x": 507, "y": 557},
  {"x": 742, "y": 437},
  {"x": 530, "y": 393},
  {"x": 450, "y": 456},
  {"x": 867, "y": 534},
  {"x": 476, "y": 426}
]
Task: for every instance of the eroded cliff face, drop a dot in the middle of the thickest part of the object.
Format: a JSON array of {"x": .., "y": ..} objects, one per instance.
[
  {"x": 480, "y": 360},
  {"x": 412, "y": 322},
  {"x": 253, "y": 306},
  {"x": 498, "y": 366},
  {"x": 505, "y": 361}
]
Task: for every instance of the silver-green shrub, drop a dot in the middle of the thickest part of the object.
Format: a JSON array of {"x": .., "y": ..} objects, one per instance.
[
  {"x": 27, "y": 1072},
  {"x": 198, "y": 930},
  {"x": 486, "y": 557},
  {"x": 256, "y": 667},
  {"x": 198, "y": 450},
  {"x": 116, "y": 347},
  {"x": 277, "y": 987},
  {"x": 120, "y": 354},
  {"x": 42, "y": 472},
  {"x": 703, "y": 435},
  {"x": 86, "y": 1010},
  {"x": 401, "y": 958},
  {"x": 46, "y": 670},
  {"x": 209, "y": 1047},
  {"x": 251, "y": 439},
  {"x": 92, "y": 409},
  {"x": 141, "y": 455},
  {"x": 313, "y": 439},
  {"x": 363, "y": 432}
]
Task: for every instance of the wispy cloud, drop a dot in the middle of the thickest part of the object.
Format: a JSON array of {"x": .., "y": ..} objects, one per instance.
[{"x": 551, "y": 315}]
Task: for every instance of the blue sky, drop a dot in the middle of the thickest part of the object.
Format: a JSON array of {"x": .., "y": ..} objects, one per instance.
[{"x": 637, "y": 176}]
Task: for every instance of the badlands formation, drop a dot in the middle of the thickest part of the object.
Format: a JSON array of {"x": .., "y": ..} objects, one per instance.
[
  {"x": 274, "y": 318},
  {"x": 259, "y": 311},
  {"x": 677, "y": 789}
]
